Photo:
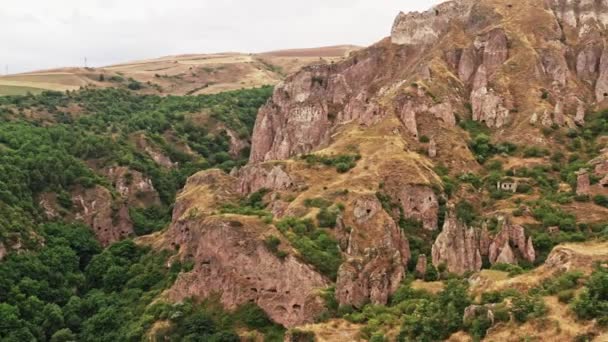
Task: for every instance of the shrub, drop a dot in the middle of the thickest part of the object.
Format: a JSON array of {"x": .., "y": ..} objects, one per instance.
[
  {"x": 535, "y": 152},
  {"x": 327, "y": 217},
  {"x": 317, "y": 202},
  {"x": 343, "y": 162},
  {"x": 527, "y": 307},
  {"x": 593, "y": 300},
  {"x": 513, "y": 270},
  {"x": 465, "y": 212},
  {"x": 565, "y": 296},
  {"x": 601, "y": 200},
  {"x": 316, "y": 247}
]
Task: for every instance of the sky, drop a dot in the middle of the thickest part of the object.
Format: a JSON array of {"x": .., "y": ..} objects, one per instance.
[{"x": 42, "y": 34}]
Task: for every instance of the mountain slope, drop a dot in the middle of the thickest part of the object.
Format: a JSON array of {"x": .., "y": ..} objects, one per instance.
[
  {"x": 455, "y": 144},
  {"x": 179, "y": 75}
]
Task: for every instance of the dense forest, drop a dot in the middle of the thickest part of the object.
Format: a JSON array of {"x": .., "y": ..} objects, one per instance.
[{"x": 59, "y": 284}]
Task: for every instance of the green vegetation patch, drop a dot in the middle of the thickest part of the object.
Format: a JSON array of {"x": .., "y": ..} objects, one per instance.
[
  {"x": 343, "y": 162},
  {"x": 315, "y": 245}
]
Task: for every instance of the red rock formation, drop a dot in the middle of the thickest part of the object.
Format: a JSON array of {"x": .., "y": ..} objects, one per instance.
[
  {"x": 231, "y": 260},
  {"x": 457, "y": 246},
  {"x": 421, "y": 265},
  {"x": 510, "y": 235},
  {"x": 133, "y": 186},
  {"x": 237, "y": 145},
  {"x": 371, "y": 278},
  {"x": 432, "y": 149},
  {"x": 419, "y": 202},
  {"x": 427, "y": 27},
  {"x": 95, "y": 207},
  {"x": 270, "y": 176},
  {"x": 377, "y": 254},
  {"x": 583, "y": 183}
]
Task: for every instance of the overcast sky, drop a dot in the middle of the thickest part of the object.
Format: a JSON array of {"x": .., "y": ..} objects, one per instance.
[{"x": 39, "y": 34}]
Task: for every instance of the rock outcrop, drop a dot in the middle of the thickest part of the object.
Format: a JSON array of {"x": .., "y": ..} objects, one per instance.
[
  {"x": 457, "y": 246},
  {"x": 133, "y": 186},
  {"x": 419, "y": 202},
  {"x": 461, "y": 248},
  {"x": 510, "y": 236},
  {"x": 232, "y": 260},
  {"x": 427, "y": 27},
  {"x": 421, "y": 266},
  {"x": 269, "y": 176},
  {"x": 109, "y": 221},
  {"x": 432, "y": 149},
  {"x": 583, "y": 183},
  {"x": 377, "y": 253},
  {"x": 237, "y": 145}
]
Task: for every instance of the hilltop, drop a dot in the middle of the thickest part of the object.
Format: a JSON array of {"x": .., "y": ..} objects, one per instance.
[{"x": 190, "y": 74}]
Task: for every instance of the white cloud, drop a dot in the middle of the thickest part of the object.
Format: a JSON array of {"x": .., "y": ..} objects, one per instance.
[{"x": 38, "y": 34}]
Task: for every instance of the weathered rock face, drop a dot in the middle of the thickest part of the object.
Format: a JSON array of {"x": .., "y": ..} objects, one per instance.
[
  {"x": 421, "y": 265},
  {"x": 461, "y": 248},
  {"x": 490, "y": 51},
  {"x": 95, "y": 208},
  {"x": 372, "y": 278},
  {"x": 377, "y": 254},
  {"x": 252, "y": 178},
  {"x": 457, "y": 247},
  {"x": 583, "y": 183},
  {"x": 133, "y": 186},
  {"x": 299, "y": 116},
  {"x": 155, "y": 153},
  {"x": 237, "y": 145},
  {"x": 510, "y": 235},
  {"x": 567, "y": 257},
  {"x": 427, "y": 27},
  {"x": 232, "y": 261},
  {"x": 419, "y": 202},
  {"x": 586, "y": 16},
  {"x": 432, "y": 149},
  {"x": 231, "y": 258}
]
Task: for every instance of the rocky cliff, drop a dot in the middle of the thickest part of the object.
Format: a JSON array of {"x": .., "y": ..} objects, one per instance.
[
  {"x": 462, "y": 249},
  {"x": 517, "y": 69}
]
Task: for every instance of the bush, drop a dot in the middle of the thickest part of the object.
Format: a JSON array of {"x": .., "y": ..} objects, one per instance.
[
  {"x": 565, "y": 296},
  {"x": 272, "y": 243},
  {"x": 513, "y": 270},
  {"x": 593, "y": 300},
  {"x": 316, "y": 247},
  {"x": 343, "y": 162},
  {"x": 465, "y": 212},
  {"x": 601, "y": 200},
  {"x": 527, "y": 307},
  {"x": 327, "y": 217},
  {"x": 317, "y": 202}
]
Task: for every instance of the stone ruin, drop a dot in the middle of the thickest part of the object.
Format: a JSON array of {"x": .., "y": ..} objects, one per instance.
[{"x": 507, "y": 186}]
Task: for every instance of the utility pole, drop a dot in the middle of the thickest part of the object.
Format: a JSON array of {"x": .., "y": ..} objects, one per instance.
[{"x": 85, "y": 62}]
